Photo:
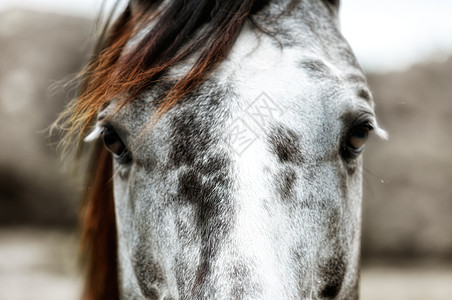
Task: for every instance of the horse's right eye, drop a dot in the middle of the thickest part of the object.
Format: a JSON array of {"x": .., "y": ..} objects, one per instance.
[{"x": 115, "y": 145}]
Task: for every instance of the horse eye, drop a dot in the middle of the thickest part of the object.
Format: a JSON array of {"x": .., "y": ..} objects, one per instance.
[
  {"x": 115, "y": 145},
  {"x": 356, "y": 140}
]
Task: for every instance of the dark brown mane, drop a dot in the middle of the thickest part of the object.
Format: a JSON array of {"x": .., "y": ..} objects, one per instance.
[
  {"x": 182, "y": 29},
  {"x": 99, "y": 229},
  {"x": 175, "y": 36}
]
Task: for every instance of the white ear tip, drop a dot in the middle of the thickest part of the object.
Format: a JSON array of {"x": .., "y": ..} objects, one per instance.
[{"x": 94, "y": 135}]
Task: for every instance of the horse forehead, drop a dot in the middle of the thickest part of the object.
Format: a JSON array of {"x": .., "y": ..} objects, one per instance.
[
  {"x": 272, "y": 86},
  {"x": 258, "y": 72},
  {"x": 256, "y": 57}
]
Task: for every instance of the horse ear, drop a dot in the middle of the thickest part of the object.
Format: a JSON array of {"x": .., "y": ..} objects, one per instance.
[
  {"x": 334, "y": 3},
  {"x": 333, "y": 6}
]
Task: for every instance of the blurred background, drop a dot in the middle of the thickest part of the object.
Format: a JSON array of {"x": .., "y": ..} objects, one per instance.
[{"x": 404, "y": 46}]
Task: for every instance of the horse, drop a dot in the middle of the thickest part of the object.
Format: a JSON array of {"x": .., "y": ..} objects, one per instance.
[{"x": 226, "y": 141}]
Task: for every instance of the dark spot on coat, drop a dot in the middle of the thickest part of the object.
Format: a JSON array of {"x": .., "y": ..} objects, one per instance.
[
  {"x": 196, "y": 119},
  {"x": 204, "y": 181},
  {"x": 191, "y": 187},
  {"x": 205, "y": 184},
  {"x": 286, "y": 144},
  {"x": 243, "y": 285},
  {"x": 333, "y": 273},
  {"x": 288, "y": 178},
  {"x": 216, "y": 168},
  {"x": 297, "y": 256},
  {"x": 148, "y": 272},
  {"x": 190, "y": 137},
  {"x": 201, "y": 274},
  {"x": 352, "y": 166},
  {"x": 364, "y": 94},
  {"x": 334, "y": 223},
  {"x": 181, "y": 269},
  {"x": 316, "y": 68}
]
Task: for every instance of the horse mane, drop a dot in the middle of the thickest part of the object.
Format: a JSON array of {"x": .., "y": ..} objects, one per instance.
[
  {"x": 98, "y": 241},
  {"x": 203, "y": 29},
  {"x": 182, "y": 28}
]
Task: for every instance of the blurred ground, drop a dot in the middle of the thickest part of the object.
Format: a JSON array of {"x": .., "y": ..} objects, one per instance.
[
  {"x": 38, "y": 264},
  {"x": 411, "y": 280}
]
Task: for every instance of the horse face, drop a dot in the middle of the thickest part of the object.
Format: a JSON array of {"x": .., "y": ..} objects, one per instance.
[{"x": 250, "y": 187}]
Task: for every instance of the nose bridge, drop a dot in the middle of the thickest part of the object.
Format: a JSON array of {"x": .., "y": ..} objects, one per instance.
[
  {"x": 245, "y": 266},
  {"x": 236, "y": 275},
  {"x": 251, "y": 260},
  {"x": 239, "y": 256}
]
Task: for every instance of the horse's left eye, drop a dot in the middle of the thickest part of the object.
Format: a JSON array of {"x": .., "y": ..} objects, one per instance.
[
  {"x": 358, "y": 138},
  {"x": 355, "y": 141},
  {"x": 115, "y": 145}
]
